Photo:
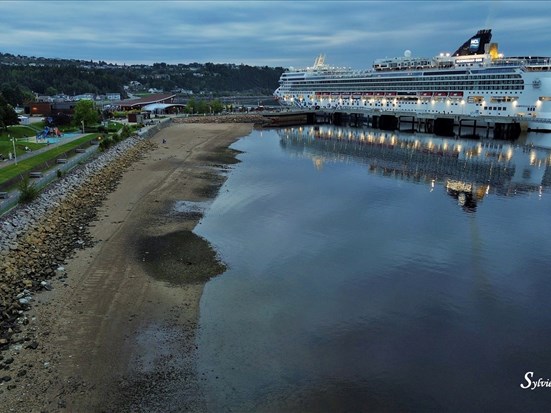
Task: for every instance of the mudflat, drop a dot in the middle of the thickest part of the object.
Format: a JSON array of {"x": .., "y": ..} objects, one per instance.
[{"x": 117, "y": 334}]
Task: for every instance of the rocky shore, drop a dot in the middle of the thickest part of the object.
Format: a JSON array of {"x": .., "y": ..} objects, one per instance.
[
  {"x": 37, "y": 239},
  {"x": 122, "y": 274},
  {"x": 255, "y": 118}
]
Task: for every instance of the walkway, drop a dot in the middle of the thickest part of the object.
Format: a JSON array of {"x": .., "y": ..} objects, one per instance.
[
  {"x": 30, "y": 154},
  {"x": 48, "y": 176}
]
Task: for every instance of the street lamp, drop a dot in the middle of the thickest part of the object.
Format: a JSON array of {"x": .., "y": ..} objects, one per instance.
[{"x": 14, "y": 153}]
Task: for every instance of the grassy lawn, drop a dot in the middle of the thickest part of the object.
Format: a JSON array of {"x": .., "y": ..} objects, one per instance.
[
  {"x": 114, "y": 126},
  {"x": 27, "y": 165},
  {"x": 20, "y": 132},
  {"x": 7, "y": 146}
]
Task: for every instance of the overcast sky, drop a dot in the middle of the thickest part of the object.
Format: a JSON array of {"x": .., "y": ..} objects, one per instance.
[{"x": 272, "y": 33}]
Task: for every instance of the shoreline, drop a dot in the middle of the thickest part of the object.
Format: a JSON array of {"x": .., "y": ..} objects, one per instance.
[{"x": 116, "y": 332}]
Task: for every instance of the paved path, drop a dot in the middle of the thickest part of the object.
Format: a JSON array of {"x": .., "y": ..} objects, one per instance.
[
  {"x": 48, "y": 176},
  {"x": 45, "y": 148}
]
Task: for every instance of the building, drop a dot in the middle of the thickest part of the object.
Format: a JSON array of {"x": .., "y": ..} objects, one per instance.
[
  {"x": 48, "y": 109},
  {"x": 84, "y": 96},
  {"x": 39, "y": 109},
  {"x": 164, "y": 108},
  {"x": 138, "y": 104}
]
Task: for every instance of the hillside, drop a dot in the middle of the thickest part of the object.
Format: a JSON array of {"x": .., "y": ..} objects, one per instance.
[{"x": 72, "y": 77}]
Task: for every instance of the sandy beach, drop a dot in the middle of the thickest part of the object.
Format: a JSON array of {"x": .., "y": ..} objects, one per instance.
[{"x": 117, "y": 333}]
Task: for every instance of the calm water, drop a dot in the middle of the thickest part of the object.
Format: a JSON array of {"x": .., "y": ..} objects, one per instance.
[{"x": 372, "y": 271}]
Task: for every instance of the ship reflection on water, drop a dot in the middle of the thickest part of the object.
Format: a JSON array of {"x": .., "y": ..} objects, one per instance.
[
  {"x": 360, "y": 279},
  {"x": 468, "y": 170}
]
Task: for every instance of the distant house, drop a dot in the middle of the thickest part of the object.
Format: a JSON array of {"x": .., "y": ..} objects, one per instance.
[
  {"x": 183, "y": 91},
  {"x": 138, "y": 117},
  {"x": 84, "y": 96},
  {"x": 60, "y": 98},
  {"x": 134, "y": 85},
  {"x": 113, "y": 96},
  {"x": 67, "y": 108}
]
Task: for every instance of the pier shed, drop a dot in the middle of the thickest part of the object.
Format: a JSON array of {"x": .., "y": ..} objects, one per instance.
[
  {"x": 163, "y": 108},
  {"x": 133, "y": 104}
]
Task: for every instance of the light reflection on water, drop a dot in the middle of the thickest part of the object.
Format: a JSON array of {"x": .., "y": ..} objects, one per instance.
[{"x": 360, "y": 280}]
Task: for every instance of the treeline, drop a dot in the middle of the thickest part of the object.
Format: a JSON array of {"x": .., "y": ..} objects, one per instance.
[
  {"x": 66, "y": 79},
  {"x": 54, "y": 76}
]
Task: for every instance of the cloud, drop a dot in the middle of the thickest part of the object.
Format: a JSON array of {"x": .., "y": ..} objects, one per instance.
[{"x": 281, "y": 33}]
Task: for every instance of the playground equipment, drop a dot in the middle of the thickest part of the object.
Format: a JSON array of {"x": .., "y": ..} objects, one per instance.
[{"x": 47, "y": 132}]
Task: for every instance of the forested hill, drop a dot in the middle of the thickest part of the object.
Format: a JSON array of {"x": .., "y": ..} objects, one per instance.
[{"x": 72, "y": 77}]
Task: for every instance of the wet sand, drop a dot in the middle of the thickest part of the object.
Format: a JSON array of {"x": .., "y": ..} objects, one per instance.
[{"x": 118, "y": 333}]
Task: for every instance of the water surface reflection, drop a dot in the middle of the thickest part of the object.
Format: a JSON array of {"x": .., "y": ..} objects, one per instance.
[
  {"x": 468, "y": 169},
  {"x": 356, "y": 285}
]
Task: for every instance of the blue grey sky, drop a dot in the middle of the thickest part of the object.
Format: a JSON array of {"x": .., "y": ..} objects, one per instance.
[{"x": 272, "y": 33}]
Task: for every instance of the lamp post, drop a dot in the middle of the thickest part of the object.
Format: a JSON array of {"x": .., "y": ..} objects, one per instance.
[{"x": 14, "y": 153}]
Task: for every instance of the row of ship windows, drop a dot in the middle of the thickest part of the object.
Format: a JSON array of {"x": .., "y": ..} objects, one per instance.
[
  {"x": 394, "y": 105},
  {"x": 337, "y": 79},
  {"x": 530, "y": 109},
  {"x": 427, "y": 88},
  {"x": 390, "y": 104},
  {"x": 390, "y": 88},
  {"x": 412, "y": 88},
  {"x": 419, "y": 83},
  {"x": 409, "y": 79},
  {"x": 406, "y": 102},
  {"x": 427, "y": 103}
]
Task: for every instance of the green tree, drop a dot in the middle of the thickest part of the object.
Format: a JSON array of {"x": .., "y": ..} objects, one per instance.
[
  {"x": 7, "y": 114},
  {"x": 202, "y": 107},
  {"x": 12, "y": 93},
  {"x": 125, "y": 132},
  {"x": 85, "y": 111},
  {"x": 51, "y": 91},
  {"x": 28, "y": 191},
  {"x": 191, "y": 106},
  {"x": 216, "y": 106}
]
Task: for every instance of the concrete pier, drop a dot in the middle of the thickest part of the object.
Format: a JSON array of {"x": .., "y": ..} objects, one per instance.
[{"x": 439, "y": 124}]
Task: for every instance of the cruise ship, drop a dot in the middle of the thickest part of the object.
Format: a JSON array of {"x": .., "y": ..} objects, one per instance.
[{"x": 475, "y": 82}]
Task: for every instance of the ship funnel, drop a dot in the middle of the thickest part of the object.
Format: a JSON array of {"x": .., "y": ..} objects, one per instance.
[{"x": 476, "y": 44}]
